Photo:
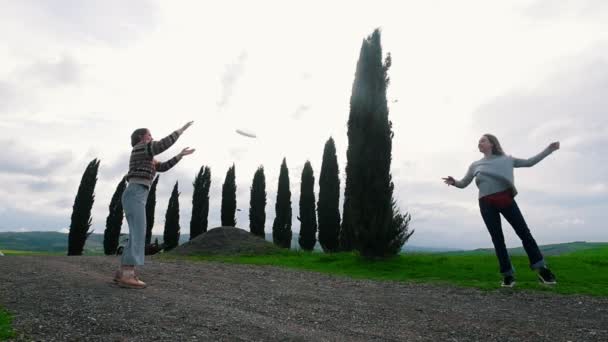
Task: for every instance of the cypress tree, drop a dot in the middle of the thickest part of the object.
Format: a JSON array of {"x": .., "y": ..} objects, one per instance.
[
  {"x": 172, "y": 229},
  {"x": 308, "y": 216},
  {"x": 229, "y": 199},
  {"x": 281, "y": 227},
  {"x": 81, "y": 210},
  {"x": 200, "y": 202},
  {"x": 346, "y": 236},
  {"x": 150, "y": 208},
  {"x": 257, "y": 203},
  {"x": 371, "y": 217},
  {"x": 329, "y": 199},
  {"x": 114, "y": 220}
]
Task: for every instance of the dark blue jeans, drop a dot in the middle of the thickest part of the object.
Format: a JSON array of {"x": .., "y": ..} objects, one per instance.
[{"x": 491, "y": 217}]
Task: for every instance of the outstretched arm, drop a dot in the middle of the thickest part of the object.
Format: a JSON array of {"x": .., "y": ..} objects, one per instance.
[
  {"x": 464, "y": 182},
  {"x": 158, "y": 147},
  {"x": 165, "y": 166},
  {"x": 537, "y": 158}
]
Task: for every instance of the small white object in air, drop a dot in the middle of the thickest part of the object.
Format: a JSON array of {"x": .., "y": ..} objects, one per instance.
[{"x": 247, "y": 134}]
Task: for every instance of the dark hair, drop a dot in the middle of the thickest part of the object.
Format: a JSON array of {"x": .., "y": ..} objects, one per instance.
[
  {"x": 136, "y": 135},
  {"x": 496, "y": 148}
]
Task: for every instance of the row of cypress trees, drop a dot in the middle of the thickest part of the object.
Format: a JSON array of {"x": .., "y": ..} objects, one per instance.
[
  {"x": 329, "y": 216},
  {"x": 371, "y": 223}
]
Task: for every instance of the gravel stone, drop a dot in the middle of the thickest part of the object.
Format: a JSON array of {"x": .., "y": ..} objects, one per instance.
[{"x": 61, "y": 298}]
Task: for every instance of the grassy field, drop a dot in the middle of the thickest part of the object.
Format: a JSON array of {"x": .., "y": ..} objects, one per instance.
[
  {"x": 582, "y": 272},
  {"x": 6, "y": 331}
]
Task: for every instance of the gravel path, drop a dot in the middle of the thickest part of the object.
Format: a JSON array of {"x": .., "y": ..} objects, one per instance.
[{"x": 72, "y": 299}]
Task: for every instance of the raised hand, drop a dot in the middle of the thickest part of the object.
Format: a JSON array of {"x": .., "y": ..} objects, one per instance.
[
  {"x": 188, "y": 124},
  {"x": 187, "y": 151},
  {"x": 554, "y": 146},
  {"x": 449, "y": 180}
]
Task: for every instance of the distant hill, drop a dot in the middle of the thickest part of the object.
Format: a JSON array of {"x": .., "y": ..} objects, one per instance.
[
  {"x": 547, "y": 250},
  {"x": 56, "y": 242},
  {"x": 423, "y": 249}
]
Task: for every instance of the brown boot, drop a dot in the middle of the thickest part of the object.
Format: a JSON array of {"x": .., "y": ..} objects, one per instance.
[{"x": 129, "y": 280}]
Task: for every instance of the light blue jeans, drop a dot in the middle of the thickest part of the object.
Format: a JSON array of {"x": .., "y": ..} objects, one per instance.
[{"x": 134, "y": 204}]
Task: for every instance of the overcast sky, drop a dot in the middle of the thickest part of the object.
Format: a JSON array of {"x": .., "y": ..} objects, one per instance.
[{"x": 77, "y": 77}]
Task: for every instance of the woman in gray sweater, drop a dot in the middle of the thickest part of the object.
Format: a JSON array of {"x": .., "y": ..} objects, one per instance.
[{"x": 494, "y": 177}]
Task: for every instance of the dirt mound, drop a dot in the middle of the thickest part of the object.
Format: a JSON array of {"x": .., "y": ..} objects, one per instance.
[{"x": 226, "y": 241}]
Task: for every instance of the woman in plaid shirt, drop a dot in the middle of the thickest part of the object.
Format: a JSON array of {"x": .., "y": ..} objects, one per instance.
[{"x": 142, "y": 170}]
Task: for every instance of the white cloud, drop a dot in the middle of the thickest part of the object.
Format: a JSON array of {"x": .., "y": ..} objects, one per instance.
[
  {"x": 62, "y": 71},
  {"x": 231, "y": 76},
  {"x": 81, "y": 22},
  {"x": 9, "y": 96},
  {"x": 301, "y": 110},
  {"x": 547, "y": 9},
  {"x": 21, "y": 158}
]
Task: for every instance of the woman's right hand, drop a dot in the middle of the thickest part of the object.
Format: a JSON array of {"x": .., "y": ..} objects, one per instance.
[{"x": 449, "y": 180}]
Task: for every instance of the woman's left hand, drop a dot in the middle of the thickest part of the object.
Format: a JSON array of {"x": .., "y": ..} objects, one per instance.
[
  {"x": 554, "y": 146},
  {"x": 187, "y": 151}
]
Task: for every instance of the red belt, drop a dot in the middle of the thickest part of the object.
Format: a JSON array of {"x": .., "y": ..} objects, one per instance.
[{"x": 501, "y": 199}]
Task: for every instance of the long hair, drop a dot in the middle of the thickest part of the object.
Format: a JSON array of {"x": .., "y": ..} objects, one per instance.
[
  {"x": 136, "y": 135},
  {"x": 496, "y": 148}
]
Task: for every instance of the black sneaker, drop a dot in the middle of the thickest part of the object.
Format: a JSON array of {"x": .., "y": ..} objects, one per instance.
[
  {"x": 508, "y": 281},
  {"x": 546, "y": 276}
]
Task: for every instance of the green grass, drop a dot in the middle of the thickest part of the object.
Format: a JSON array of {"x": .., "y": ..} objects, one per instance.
[
  {"x": 583, "y": 272},
  {"x": 6, "y": 331}
]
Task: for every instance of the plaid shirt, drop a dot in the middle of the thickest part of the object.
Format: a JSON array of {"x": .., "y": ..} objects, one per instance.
[{"x": 143, "y": 166}]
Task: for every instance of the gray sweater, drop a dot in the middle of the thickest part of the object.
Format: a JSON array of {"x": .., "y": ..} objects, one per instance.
[{"x": 495, "y": 173}]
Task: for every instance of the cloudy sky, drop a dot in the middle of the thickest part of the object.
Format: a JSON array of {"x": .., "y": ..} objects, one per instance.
[{"x": 77, "y": 77}]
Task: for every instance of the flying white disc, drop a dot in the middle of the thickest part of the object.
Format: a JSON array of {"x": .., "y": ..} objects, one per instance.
[{"x": 247, "y": 134}]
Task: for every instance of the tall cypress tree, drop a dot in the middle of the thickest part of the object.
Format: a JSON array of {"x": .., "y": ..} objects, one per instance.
[
  {"x": 172, "y": 229},
  {"x": 329, "y": 199},
  {"x": 150, "y": 208},
  {"x": 81, "y": 210},
  {"x": 229, "y": 199},
  {"x": 308, "y": 215},
  {"x": 114, "y": 220},
  {"x": 370, "y": 213},
  {"x": 257, "y": 203},
  {"x": 281, "y": 227},
  {"x": 200, "y": 202},
  {"x": 346, "y": 236}
]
